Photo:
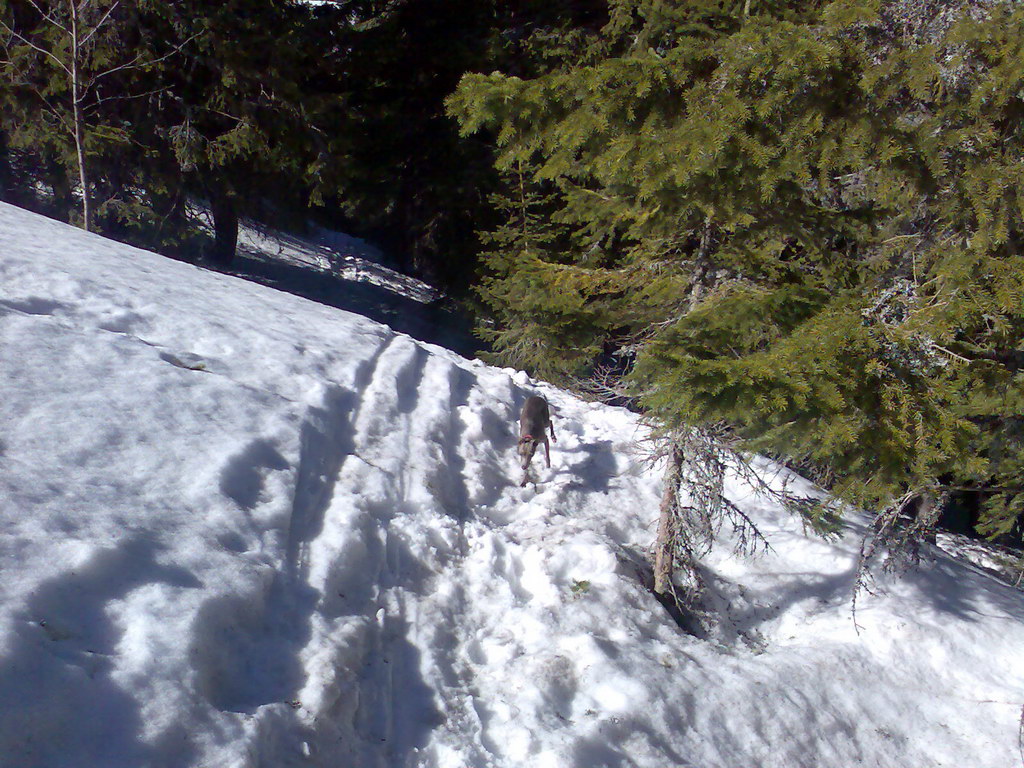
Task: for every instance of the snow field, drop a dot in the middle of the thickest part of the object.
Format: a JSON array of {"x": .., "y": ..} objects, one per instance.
[{"x": 238, "y": 528}]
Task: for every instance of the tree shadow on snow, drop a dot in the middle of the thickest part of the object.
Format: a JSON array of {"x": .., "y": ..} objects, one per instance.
[
  {"x": 397, "y": 709},
  {"x": 61, "y": 704},
  {"x": 944, "y": 586},
  {"x": 247, "y": 648},
  {"x": 326, "y": 440},
  {"x": 962, "y": 590},
  {"x": 246, "y": 645},
  {"x": 433, "y": 322},
  {"x": 742, "y": 610},
  {"x": 616, "y": 746},
  {"x": 448, "y": 478},
  {"x": 596, "y": 469},
  {"x": 383, "y": 709}
]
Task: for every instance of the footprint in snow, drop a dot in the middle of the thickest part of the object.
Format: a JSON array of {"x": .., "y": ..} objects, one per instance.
[{"x": 186, "y": 360}]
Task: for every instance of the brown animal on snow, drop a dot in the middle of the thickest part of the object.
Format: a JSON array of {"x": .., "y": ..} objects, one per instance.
[{"x": 534, "y": 423}]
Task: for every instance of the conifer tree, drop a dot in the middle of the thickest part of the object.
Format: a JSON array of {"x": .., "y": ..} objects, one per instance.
[
  {"x": 797, "y": 221},
  {"x": 178, "y": 101},
  {"x": 403, "y": 173},
  {"x": 236, "y": 119},
  {"x": 68, "y": 57}
]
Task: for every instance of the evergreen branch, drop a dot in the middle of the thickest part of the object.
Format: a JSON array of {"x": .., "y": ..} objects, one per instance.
[
  {"x": 762, "y": 486},
  {"x": 604, "y": 384},
  {"x": 375, "y": 21},
  {"x": 855, "y": 174},
  {"x": 901, "y": 532},
  {"x": 99, "y": 24},
  {"x": 948, "y": 353},
  {"x": 221, "y": 113},
  {"x": 698, "y": 462},
  {"x": 51, "y": 108},
  {"x": 11, "y": 31},
  {"x": 983, "y": 488},
  {"x": 52, "y": 20},
  {"x": 896, "y": 238},
  {"x": 128, "y": 97},
  {"x": 861, "y": 584},
  {"x": 750, "y": 537},
  {"x": 57, "y": 113},
  {"x": 134, "y": 63},
  {"x": 1011, "y": 360}
]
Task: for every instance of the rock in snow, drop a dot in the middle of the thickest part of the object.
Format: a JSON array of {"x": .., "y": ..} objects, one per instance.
[{"x": 238, "y": 528}]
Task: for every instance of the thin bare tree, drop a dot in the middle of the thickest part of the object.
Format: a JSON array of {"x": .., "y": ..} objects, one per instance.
[{"x": 65, "y": 36}]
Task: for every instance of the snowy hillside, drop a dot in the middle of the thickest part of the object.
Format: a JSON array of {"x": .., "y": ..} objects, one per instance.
[{"x": 238, "y": 528}]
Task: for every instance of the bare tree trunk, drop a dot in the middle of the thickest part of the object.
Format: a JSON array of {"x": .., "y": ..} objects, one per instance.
[
  {"x": 77, "y": 120},
  {"x": 83, "y": 176},
  {"x": 65, "y": 43},
  {"x": 664, "y": 547}
]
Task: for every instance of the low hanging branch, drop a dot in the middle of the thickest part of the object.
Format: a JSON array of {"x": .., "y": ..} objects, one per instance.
[
  {"x": 694, "y": 508},
  {"x": 895, "y": 538}
]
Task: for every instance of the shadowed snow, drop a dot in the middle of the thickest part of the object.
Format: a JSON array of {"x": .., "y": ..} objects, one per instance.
[{"x": 240, "y": 528}]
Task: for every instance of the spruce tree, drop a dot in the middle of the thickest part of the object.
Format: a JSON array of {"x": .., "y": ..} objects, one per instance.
[
  {"x": 797, "y": 220},
  {"x": 236, "y": 120},
  {"x": 178, "y": 101}
]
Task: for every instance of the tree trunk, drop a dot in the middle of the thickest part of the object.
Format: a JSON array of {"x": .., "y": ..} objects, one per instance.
[
  {"x": 83, "y": 176},
  {"x": 927, "y": 517},
  {"x": 664, "y": 547},
  {"x": 63, "y": 189},
  {"x": 77, "y": 121},
  {"x": 10, "y": 189},
  {"x": 225, "y": 224}
]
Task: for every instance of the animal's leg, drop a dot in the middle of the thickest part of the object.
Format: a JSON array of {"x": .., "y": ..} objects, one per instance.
[{"x": 547, "y": 453}]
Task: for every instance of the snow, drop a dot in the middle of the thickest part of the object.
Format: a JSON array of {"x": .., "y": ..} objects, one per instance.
[
  {"x": 240, "y": 528},
  {"x": 345, "y": 272}
]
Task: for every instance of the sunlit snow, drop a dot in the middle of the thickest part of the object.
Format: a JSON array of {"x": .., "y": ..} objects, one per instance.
[{"x": 240, "y": 528}]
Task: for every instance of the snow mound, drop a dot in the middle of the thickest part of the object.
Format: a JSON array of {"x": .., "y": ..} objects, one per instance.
[{"x": 239, "y": 528}]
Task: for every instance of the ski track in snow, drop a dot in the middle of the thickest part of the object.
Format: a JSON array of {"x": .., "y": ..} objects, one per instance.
[
  {"x": 241, "y": 529},
  {"x": 397, "y": 438}
]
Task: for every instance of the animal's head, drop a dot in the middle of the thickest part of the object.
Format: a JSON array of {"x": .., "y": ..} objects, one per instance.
[{"x": 527, "y": 446}]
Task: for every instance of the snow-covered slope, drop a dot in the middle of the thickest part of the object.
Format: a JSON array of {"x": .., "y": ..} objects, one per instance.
[
  {"x": 347, "y": 273},
  {"x": 238, "y": 528}
]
